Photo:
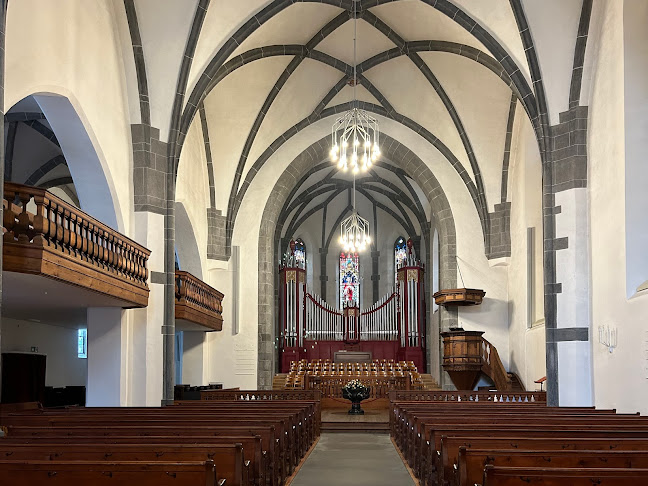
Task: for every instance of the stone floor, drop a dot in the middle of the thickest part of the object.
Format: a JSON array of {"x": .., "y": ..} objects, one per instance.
[{"x": 353, "y": 459}]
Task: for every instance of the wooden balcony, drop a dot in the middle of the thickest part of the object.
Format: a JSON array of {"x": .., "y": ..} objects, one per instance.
[
  {"x": 198, "y": 306},
  {"x": 45, "y": 236}
]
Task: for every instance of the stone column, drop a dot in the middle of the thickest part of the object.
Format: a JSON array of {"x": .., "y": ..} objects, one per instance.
[
  {"x": 323, "y": 276},
  {"x": 567, "y": 294},
  {"x": 149, "y": 189},
  {"x": 375, "y": 275}
]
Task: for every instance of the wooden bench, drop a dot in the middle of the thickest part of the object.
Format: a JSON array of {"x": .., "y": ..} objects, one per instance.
[
  {"x": 472, "y": 462},
  {"x": 108, "y": 473},
  {"x": 424, "y": 433},
  {"x": 228, "y": 459},
  {"x": 271, "y": 436},
  {"x": 519, "y": 476}
]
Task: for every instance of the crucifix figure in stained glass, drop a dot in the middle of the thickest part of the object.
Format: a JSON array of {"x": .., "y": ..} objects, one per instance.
[
  {"x": 349, "y": 280},
  {"x": 400, "y": 254}
]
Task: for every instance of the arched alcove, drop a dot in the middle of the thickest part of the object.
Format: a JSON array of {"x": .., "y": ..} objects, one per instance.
[
  {"x": 187, "y": 251},
  {"x": 49, "y": 147}
]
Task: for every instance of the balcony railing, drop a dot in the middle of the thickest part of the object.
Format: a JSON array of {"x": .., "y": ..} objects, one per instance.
[
  {"x": 197, "y": 302},
  {"x": 44, "y": 235}
]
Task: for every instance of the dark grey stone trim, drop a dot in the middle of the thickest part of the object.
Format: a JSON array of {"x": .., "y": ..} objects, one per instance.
[
  {"x": 500, "y": 231},
  {"x": 336, "y": 109},
  {"x": 208, "y": 155},
  {"x": 569, "y": 150},
  {"x": 216, "y": 235},
  {"x": 444, "y": 6},
  {"x": 43, "y": 130},
  {"x": 59, "y": 181},
  {"x": 364, "y": 186},
  {"x": 158, "y": 277},
  {"x": 336, "y": 225},
  {"x": 22, "y": 116},
  {"x": 149, "y": 169},
  {"x": 300, "y": 52},
  {"x": 296, "y": 223},
  {"x": 403, "y": 221},
  {"x": 561, "y": 243},
  {"x": 563, "y": 334},
  {"x": 480, "y": 197},
  {"x": 39, "y": 173},
  {"x": 174, "y": 146},
  {"x": 140, "y": 65},
  {"x": 507, "y": 147},
  {"x": 541, "y": 125},
  {"x": 579, "y": 54},
  {"x": 9, "y": 150}
]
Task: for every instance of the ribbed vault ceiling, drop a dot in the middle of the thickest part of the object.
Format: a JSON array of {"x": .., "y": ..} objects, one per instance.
[{"x": 266, "y": 70}]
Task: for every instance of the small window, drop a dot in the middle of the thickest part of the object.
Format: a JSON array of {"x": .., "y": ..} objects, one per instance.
[
  {"x": 300, "y": 253},
  {"x": 82, "y": 345},
  {"x": 400, "y": 255}
]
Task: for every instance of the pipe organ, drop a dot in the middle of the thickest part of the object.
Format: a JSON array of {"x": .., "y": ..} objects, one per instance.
[{"x": 392, "y": 328}]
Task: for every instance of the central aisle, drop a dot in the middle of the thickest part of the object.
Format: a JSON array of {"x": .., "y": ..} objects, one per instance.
[{"x": 353, "y": 459}]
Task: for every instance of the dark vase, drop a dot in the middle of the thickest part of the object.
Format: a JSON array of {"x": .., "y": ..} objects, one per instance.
[{"x": 356, "y": 395}]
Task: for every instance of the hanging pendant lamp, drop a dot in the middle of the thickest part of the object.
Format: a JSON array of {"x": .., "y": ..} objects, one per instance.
[{"x": 355, "y": 135}]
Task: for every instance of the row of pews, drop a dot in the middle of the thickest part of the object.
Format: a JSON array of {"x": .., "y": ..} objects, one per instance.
[
  {"x": 221, "y": 442},
  {"x": 509, "y": 444}
]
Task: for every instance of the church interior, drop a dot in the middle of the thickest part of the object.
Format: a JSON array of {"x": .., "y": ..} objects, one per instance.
[{"x": 226, "y": 222}]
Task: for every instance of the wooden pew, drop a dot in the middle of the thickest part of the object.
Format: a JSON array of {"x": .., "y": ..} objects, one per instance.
[
  {"x": 284, "y": 429},
  {"x": 418, "y": 428},
  {"x": 257, "y": 467},
  {"x": 472, "y": 462},
  {"x": 108, "y": 473},
  {"x": 519, "y": 476},
  {"x": 267, "y": 433},
  {"x": 228, "y": 459}
]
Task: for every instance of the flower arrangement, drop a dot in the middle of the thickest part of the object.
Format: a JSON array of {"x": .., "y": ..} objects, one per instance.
[{"x": 355, "y": 391}]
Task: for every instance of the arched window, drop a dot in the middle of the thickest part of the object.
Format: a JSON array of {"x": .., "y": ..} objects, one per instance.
[
  {"x": 349, "y": 280},
  {"x": 300, "y": 253},
  {"x": 400, "y": 254}
]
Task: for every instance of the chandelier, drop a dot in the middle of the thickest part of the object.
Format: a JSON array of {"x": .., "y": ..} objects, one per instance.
[
  {"x": 355, "y": 142},
  {"x": 355, "y": 135},
  {"x": 354, "y": 233}
]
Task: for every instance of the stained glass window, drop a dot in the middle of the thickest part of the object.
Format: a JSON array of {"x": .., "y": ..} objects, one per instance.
[
  {"x": 400, "y": 254},
  {"x": 300, "y": 253},
  {"x": 349, "y": 280}
]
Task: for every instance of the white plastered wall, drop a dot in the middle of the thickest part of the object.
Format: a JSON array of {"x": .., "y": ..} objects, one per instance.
[
  {"x": 527, "y": 344},
  {"x": 63, "y": 366},
  {"x": 620, "y": 377},
  {"x": 78, "y": 62}
]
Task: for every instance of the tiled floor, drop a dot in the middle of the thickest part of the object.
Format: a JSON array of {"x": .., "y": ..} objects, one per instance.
[{"x": 353, "y": 459}]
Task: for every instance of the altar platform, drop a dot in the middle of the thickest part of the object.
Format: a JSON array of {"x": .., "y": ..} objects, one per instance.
[{"x": 337, "y": 419}]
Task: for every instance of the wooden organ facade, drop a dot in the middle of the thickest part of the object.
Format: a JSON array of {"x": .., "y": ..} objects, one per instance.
[{"x": 392, "y": 328}]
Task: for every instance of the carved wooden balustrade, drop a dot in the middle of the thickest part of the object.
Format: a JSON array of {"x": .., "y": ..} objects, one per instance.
[
  {"x": 197, "y": 302},
  {"x": 253, "y": 395},
  {"x": 467, "y": 396},
  {"x": 379, "y": 386},
  {"x": 57, "y": 240},
  {"x": 493, "y": 367}
]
